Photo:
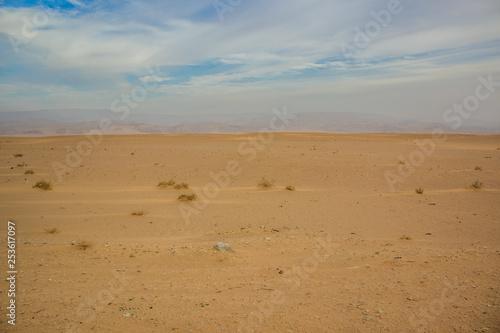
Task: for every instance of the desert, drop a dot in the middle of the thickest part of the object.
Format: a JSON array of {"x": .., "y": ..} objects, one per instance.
[
  {"x": 320, "y": 239},
  {"x": 250, "y": 166}
]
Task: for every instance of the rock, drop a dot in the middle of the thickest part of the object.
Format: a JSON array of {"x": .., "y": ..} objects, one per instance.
[{"x": 220, "y": 246}]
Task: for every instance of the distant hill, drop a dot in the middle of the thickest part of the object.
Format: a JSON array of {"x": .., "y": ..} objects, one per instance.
[{"x": 78, "y": 121}]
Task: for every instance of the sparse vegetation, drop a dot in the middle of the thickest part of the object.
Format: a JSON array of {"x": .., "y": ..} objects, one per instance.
[
  {"x": 43, "y": 185},
  {"x": 266, "y": 183},
  {"x": 401, "y": 162},
  {"x": 181, "y": 186},
  {"x": 138, "y": 213},
  {"x": 476, "y": 185},
  {"x": 18, "y": 155},
  {"x": 290, "y": 188},
  {"x": 405, "y": 237},
  {"x": 83, "y": 245},
  {"x": 171, "y": 182},
  {"x": 20, "y": 165},
  {"x": 478, "y": 168},
  {"x": 419, "y": 190},
  {"x": 29, "y": 172},
  {"x": 51, "y": 230},
  {"x": 187, "y": 197}
]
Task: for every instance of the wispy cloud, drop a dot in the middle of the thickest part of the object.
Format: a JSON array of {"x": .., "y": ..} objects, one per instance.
[{"x": 93, "y": 50}]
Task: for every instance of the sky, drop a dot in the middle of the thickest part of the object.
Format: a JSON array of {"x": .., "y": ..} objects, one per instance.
[{"x": 411, "y": 59}]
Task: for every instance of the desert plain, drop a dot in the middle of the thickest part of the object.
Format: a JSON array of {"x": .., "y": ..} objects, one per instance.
[{"x": 343, "y": 249}]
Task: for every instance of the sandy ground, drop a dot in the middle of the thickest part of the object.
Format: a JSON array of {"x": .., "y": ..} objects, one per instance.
[{"x": 326, "y": 257}]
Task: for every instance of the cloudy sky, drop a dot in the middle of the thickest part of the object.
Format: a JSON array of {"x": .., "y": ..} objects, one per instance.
[{"x": 408, "y": 58}]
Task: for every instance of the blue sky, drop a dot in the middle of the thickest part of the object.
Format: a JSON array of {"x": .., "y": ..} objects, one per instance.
[{"x": 416, "y": 59}]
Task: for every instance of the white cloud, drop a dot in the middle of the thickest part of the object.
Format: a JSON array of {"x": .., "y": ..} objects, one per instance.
[
  {"x": 153, "y": 78},
  {"x": 310, "y": 65},
  {"x": 76, "y": 3},
  {"x": 272, "y": 45}
]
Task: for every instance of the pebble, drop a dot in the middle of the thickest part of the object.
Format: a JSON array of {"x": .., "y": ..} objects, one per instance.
[{"x": 220, "y": 246}]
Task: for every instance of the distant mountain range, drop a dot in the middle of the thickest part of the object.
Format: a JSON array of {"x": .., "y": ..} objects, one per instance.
[{"x": 78, "y": 121}]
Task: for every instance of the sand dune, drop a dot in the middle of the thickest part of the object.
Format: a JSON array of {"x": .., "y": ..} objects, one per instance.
[{"x": 329, "y": 256}]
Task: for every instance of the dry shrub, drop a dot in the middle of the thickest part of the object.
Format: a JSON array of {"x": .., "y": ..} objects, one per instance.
[
  {"x": 476, "y": 185},
  {"x": 171, "y": 182},
  {"x": 83, "y": 245},
  {"x": 43, "y": 185},
  {"x": 266, "y": 183},
  {"x": 187, "y": 197},
  {"x": 181, "y": 186}
]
